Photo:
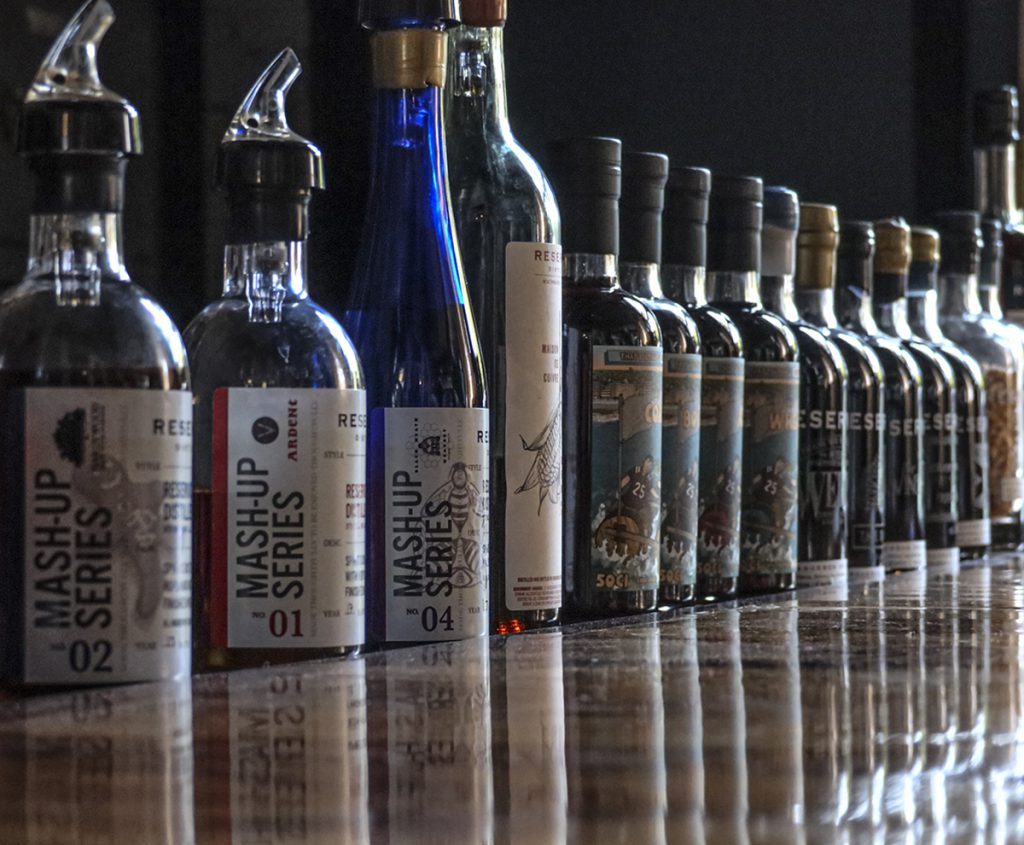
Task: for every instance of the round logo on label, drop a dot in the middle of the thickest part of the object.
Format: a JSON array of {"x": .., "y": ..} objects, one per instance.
[{"x": 265, "y": 430}]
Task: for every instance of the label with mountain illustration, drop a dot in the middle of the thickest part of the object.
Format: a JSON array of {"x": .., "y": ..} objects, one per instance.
[
  {"x": 771, "y": 433},
  {"x": 680, "y": 459},
  {"x": 625, "y": 478},
  {"x": 721, "y": 456},
  {"x": 1006, "y": 485},
  {"x": 533, "y": 426},
  {"x": 436, "y": 509},
  {"x": 108, "y": 535}
]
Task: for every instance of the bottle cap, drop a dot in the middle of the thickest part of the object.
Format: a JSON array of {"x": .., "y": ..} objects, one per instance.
[
  {"x": 991, "y": 240},
  {"x": 816, "y": 246},
  {"x": 734, "y": 224},
  {"x": 924, "y": 249},
  {"x": 961, "y": 241},
  {"x": 686, "y": 216},
  {"x": 892, "y": 246},
  {"x": 644, "y": 176},
  {"x": 586, "y": 174},
  {"x": 778, "y": 238},
  {"x": 996, "y": 117},
  {"x": 484, "y": 12},
  {"x": 395, "y": 14},
  {"x": 855, "y": 255}
]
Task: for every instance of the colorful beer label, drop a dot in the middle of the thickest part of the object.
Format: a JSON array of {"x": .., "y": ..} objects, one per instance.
[
  {"x": 771, "y": 434},
  {"x": 625, "y": 482},
  {"x": 721, "y": 465},
  {"x": 680, "y": 457}
]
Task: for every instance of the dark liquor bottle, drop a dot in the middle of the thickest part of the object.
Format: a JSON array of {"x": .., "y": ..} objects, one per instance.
[
  {"x": 508, "y": 230},
  {"x": 973, "y": 528},
  {"x": 96, "y": 424},
  {"x": 997, "y": 349},
  {"x": 904, "y": 547},
  {"x": 644, "y": 176},
  {"x": 941, "y": 497},
  {"x": 280, "y": 416},
  {"x": 612, "y": 391},
  {"x": 823, "y": 523},
  {"x": 996, "y": 131},
  {"x": 721, "y": 395},
  {"x": 865, "y": 417},
  {"x": 771, "y": 388},
  {"x": 411, "y": 322}
]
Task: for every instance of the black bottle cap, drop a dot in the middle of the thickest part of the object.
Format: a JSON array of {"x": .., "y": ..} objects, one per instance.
[
  {"x": 644, "y": 176},
  {"x": 686, "y": 216},
  {"x": 991, "y": 240},
  {"x": 960, "y": 232},
  {"x": 781, "y": 208},
  {"x": 392, "y": 14},
  {"x": 778, "y": 239},
  {"x": 586, "y": 174},
  {"x": 734, "y": 224},
  {"x": 996, "y": 117},
  {"x": 854, "y": 257}
]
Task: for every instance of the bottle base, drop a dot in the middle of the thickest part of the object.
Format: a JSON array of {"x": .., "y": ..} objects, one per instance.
[
  {"x": 215, "y": 659},
  {"x": 614, "y": 604},
  {"x": 716, "y": 588},
  {"x": 756, "y": 585},
  {"x": 675, "y": 595},
  {"x": 516, "y": 622},
  {"x": 1005, "y": 535},
  {"x": 973, "y": 553}
]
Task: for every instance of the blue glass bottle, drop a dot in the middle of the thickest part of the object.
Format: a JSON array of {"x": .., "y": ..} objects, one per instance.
[{"x": 409, "y": 317}]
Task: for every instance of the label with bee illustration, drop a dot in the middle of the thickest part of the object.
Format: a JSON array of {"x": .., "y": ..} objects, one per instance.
[
  {"x": 1006, "y": 485},
  {"x": 107, "y": 521},
  {"x": 771, "y": 435},
  {"x": 721, "y": 456},
  {"x": 680, "y": 458},
  {"x": 436, "y": 510},
  {"x": 625, "y": 477}
]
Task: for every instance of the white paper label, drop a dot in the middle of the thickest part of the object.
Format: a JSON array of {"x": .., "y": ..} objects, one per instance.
[
  {"x": 289, "y": 517},
  {"x": 436, "y": 488},
  {"x": 821, "y": 573},
  {"x": 865, "y": 574},
  {"x": 974, "y": 532},
  {"x": 533, "y": 426},
  {"x": 943, "y": 560},
  {"x": 1011, "y": 489},
  {"x": 108, "y": 535},
  {"x": 905, "y": 555}
]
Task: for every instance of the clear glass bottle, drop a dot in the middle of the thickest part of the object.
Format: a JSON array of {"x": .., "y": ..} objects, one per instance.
[
  {"x": 410, "y": 318},
  {"x": 771, "y": 388},
  {"x": 904, "y": 547},
  {"x": 280, "y": 417},
  {"x": 612, "y": 395},
  {"x": 996, "y": 347},
  {"x": 865, "y": 416},
  {"x": 823, "y": 516},
  {"x": 508, "y": 228},
  {"x": 644, "y": 176},
  {"x": 96, "y": 412},
  {"x": 683, "y": 275},
  {"x": 973, "y": 528},
  {"x": 941, "y": 496}
]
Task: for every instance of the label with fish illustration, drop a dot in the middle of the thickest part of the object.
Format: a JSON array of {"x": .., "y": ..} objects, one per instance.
[
  {"x": 625, "y": 477},
  {"x": 721, "y": 455},
  {"x": 771, "y": 434},
  {"x": 108, "y": 535},
  {"x": 533, "y": 426},
  {"x": 289, "y": 518},
  {"x": 436, "y": 510},
  {"x": 680, "y": 444}
]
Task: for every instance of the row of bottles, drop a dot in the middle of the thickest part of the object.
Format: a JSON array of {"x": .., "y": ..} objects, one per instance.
[{"x": 643, "y": 396}]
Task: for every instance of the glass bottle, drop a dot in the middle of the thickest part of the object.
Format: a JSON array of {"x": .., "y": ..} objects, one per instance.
[
  {"x": 411, "y": 321},
  {"x": 644, "y": 176},
  {"x": 612, "y": 393},
  {"x": 771, "y": 388},
  {"x": 941, "y": 496},
  {"x": 823, "y": 515},
  {"x": 280, "y": 416},
  {"x": 508, "y": 228},
  {"x": 721, "y": 394},
  {"x": 865, "y": 416},
  {"x": 995, "y": 346},
  {"x": 973, "y": 527},
  {"x": 96, "y": 411},
  {"x": 904, "y": 547}
]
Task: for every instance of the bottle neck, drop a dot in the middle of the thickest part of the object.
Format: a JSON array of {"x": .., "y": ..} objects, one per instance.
[
  {"x": 988, "y": 296},
  {"x": 891, "y": 318},
  {"x": 854, "y": 305},
  {"x": 995, "y": 186},
  {"x": 642, "y": 279},
  {"x": 684, "y": 285},
  {"x": 777, "y": 296},
  {"x": 923, "y": 314},
  {"x": 958, "y": 294},
  {"x": 266, "y": 274},
  {"x": 477, "y": 97},
  {"x": 817, "y": 307},
  {"x": 729, "y": 286},
  {"x": 590, "y": 270},
  {"x": 77, "y": 252}
]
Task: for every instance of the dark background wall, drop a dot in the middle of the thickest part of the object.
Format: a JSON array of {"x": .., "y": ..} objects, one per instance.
[{"x": 864, "y": 104}]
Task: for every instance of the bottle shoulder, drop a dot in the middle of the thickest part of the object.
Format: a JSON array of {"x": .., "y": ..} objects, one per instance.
[
  {"x": 859, "y": 356},
  {"x": 718, "y": 334},
  {"x": 933, "y": 364},
  {"x": 962, "y": 361},
  {"x": 991, "y": 342},
  {"x": 605, "y": 314},
  {"x": 766, "y": 336},
  {"x": 817, "y": 350},
  {"x": 679, "y": 331},
  {"x": 896, "y": 360}
]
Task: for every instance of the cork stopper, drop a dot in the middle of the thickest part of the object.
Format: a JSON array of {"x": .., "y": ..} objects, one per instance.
[{"x": 816, "y": 245}]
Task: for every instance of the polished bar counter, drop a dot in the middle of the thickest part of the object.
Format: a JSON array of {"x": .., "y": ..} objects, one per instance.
[{"x": 888, "y": 714}]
